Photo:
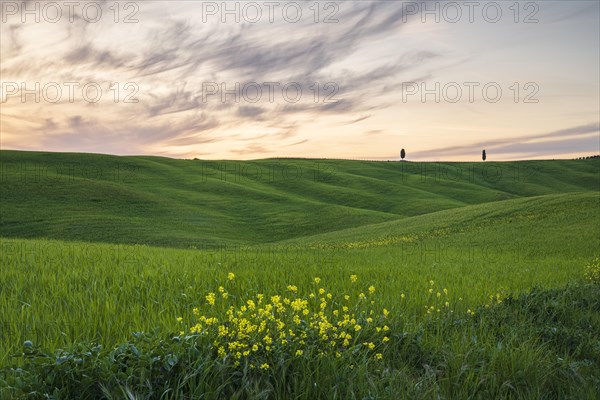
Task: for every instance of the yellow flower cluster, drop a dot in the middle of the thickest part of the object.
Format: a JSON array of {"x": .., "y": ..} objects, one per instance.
[
  {"x": 380, "y": 242},
  {"x": 258, "y": 329},
  {"x": 438, "y": 300},
  {"x": 592, "y": 271},
  {"x": 496, "y": 298}
]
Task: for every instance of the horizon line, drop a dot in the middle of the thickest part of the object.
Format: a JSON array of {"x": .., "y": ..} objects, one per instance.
[{"x": 592, "y": 156}]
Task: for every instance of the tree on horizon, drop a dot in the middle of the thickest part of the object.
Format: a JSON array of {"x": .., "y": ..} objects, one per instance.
[
  {"x": 483, "y": 155},
  {"x": 402, "y": 154}
]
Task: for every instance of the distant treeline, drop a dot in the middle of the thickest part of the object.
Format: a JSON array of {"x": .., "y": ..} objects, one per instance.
[{"x": 586, "y": 158}]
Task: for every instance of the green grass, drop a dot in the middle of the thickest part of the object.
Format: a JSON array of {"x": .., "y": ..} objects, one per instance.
[
  {"x": 542, "y": 344},
  {"x": 72, "y": 274}
]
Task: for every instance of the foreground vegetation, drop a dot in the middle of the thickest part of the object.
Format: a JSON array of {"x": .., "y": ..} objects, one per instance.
[
  {"x": 417, "y": 328},
  {"x": 543, "y": 344}
]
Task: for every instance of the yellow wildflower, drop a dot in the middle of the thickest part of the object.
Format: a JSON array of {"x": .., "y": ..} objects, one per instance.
[{"x": 210, "y": 299}]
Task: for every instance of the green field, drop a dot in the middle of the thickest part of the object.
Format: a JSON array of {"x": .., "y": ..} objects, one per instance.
[{"x": 479, "y": 267}]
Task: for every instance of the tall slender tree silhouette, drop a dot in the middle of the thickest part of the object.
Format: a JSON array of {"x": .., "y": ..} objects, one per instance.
[
  {"x": 402, "y": 154},
  {"x": 483, "y": 155}
]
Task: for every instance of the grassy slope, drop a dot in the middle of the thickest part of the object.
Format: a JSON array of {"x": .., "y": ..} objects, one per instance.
[
  {"x": 554, "y": 217},
  {"x": 478, "y": 251},
  {"x": 184, "y": 203}
]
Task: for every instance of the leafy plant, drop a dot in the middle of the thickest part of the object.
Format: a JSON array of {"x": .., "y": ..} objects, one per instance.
[{"x": 592, "y": 271}]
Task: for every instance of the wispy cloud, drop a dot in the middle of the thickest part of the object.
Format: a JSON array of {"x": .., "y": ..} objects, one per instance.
[{"x": 569, "y": 140}]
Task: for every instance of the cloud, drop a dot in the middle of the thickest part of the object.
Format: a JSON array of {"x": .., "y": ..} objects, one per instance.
[
  {"x": 569, "y": 140},
  {"x": 177, "y": 100},
  {"x": 359, "y": 119},
  {"x": 298, "y": 143},
  {"x": 173, "y": 53},
  {"x": 254, "y": 148},
  {"x": 88, "y": 53},
  {"x": 76, "y": 122},
  {"x": 588, "y": 144},
  {"x": 14, "y": 40},
  {"x": 250, "y": 112},
  {"x": 374, "y": 132}
]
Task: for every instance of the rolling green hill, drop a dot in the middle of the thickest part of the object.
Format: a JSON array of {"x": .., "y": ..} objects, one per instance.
[
  {"x": 531, "y": 218},
  {"x": 192, "y": 203}
]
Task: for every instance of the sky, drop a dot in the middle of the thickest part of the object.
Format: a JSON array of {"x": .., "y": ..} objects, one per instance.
[{"x": 346, "y": 79}]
